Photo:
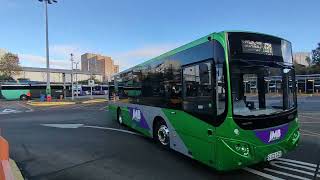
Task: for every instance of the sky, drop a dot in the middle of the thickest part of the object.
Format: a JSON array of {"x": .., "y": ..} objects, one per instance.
[{"x": 132, "y": 31}]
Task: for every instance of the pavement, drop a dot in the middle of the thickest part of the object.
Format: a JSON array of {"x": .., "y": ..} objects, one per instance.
[{"x": 78, "y": 141}]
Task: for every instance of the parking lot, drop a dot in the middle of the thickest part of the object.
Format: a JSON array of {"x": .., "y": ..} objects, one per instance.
[{"x": 80, "y": 142}]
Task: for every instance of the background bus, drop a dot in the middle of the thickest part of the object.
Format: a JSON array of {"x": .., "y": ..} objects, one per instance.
[{"x": 28, "y": 91}]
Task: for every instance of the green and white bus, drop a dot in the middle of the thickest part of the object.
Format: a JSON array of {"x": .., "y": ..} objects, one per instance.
[
  {"x": 193, "y": 99},
  {"x": 29, "y": 91}
]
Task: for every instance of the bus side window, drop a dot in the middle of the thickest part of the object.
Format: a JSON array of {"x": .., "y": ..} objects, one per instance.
[{"x": 198, "y": 90}]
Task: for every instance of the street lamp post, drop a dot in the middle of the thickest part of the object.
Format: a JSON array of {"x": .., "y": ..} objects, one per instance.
[
  {"x": 77, "y": 85},
  {"x": 72, "y": 94},
  {"x": 46, "y": 2}
]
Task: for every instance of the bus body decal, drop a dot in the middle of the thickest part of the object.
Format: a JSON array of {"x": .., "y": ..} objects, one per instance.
[
  {"x": 148, "y": 114},
  {"x": 138, "y": 117}
]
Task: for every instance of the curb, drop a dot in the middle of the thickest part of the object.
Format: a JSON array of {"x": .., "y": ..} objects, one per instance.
[
  {"x": 43, "y": 104},
  {"x": 94, "y": 101},
  {"x": 50, "y": 103}
]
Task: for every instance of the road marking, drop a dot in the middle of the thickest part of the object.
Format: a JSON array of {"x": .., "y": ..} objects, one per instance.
[
  {"x": 276, "y": 164},
  {"x": 64, "y": 126},
  {"x": 310, "y": 132},
  {"x": 75, "y": 126},
  {"x": 306, "y": 134},
  {"x": 308, "y": 117},
  {"x": 304, "y": 169},
  {"x": 286, "y": 174},
  {"x": 112, "y": 129},
  {"x": 259, "y": 173},
  {"x": 9, "y": 111},
  {"x": 297, "y": 162},
  {"x": 309, "y": 122},
  {"x": 103, "y": 108},
  {"x": 29, "y": 109}
]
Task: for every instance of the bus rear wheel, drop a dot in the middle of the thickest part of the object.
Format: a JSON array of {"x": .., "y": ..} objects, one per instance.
[
  {"x": 119, "y": 116},
  {"x": 162, "y": 134},
  {"x": 23, "y": 97}
]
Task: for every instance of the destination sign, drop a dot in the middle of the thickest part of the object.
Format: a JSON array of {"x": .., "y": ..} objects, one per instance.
[{"x": 256, "y": 47}]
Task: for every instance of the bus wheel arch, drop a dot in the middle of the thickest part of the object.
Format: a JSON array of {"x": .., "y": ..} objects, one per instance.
[{"x": 161, "y": 133}]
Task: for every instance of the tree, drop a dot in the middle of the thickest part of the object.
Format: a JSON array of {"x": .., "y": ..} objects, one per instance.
[
  {"x": 316, "y": 55},
  {"x": 9, "y": 66},
  {"x": 301, "y": 69},
  {"x": 308, "y": 60}
]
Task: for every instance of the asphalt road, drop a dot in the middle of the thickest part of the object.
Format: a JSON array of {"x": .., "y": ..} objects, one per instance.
[{"x": 91, "y": 147}]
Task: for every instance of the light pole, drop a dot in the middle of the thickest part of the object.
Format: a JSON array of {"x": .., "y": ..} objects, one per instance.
[
  {"x": 72, "y": 95},
  {"x": 77, "y": 90},
  {"x": 46, "y": 2}
]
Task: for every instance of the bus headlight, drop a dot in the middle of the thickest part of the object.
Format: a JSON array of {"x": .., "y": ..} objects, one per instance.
[
  {"x": 295, "y": 137},
  {"x": 242, "y": 149}
]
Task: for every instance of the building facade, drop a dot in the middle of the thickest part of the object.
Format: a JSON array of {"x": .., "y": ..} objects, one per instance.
[
  {"x": 99, "y": 64},
  {"x": 2, "y": 52},
  {"x": 300, "y": 58},
  {"x": 56, "y": 75}
]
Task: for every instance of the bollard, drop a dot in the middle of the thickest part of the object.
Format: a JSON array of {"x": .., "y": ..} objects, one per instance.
[{"x": 49, "y": 98}]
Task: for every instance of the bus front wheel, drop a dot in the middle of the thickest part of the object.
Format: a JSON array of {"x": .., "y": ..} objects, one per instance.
[
  {"x": 162, "y": 134},
  {"x": 119, "y": 116}
]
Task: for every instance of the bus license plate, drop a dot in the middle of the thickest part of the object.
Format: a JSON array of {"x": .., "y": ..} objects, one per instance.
[{"x": 274, "y": 155}]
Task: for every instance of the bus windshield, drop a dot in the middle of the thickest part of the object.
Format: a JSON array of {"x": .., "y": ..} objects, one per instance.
[
  {"x": 262, "y": 88},
  {"x": 262, "y": 74}
]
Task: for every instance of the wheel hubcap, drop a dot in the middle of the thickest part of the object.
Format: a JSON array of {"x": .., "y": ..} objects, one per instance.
[
  {"x": 120, "y": 119},
  {"x": 163, "y": 135}
]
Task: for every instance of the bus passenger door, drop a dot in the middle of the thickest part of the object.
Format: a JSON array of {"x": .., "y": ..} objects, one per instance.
[{"x": 198, "y": 104}]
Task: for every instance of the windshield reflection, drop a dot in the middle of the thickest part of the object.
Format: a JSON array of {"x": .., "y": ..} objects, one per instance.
[{"x": 261, "y": 88}]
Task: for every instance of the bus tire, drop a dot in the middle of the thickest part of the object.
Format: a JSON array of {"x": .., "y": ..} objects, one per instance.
[
  {"x": 23, "y": 97},
  {"x": 119, "y": 116},
  {"x": 161, "y": 133}
]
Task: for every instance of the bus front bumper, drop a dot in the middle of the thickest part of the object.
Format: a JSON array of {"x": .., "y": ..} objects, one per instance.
[{"x": 233, "y": 154}]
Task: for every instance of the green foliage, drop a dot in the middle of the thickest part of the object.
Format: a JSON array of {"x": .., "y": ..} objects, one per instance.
[
  {"x": 308, "y": 59},
  {"x": 5, "y": 78},
  {"x": 300, "y": 69},
  {"x": 316, "y": 55},
  {"x": 9, "y": 66},
  {"x": 314, "y": 64}
]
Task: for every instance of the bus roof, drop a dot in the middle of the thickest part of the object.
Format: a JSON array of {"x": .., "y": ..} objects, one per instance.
[{"x": 189, "y": 45}]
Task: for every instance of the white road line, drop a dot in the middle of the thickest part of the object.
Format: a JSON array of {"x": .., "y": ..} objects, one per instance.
[
  {"x": 306, "y": 134},
  {"x": 286, "y": 174},
  {"x": 274, "y": 163},
  {"x": 112, "y": 129},
  {"x": 308, "y": 117},
  {"x": 29, "y": 109},
  {"x": 298, "y": 162},
  {"x": 268, "y": 176},
  {"x": 310, "y": 132},
  {"x": 309, "y": 122},
  {"x": 103, "y": 108}
]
